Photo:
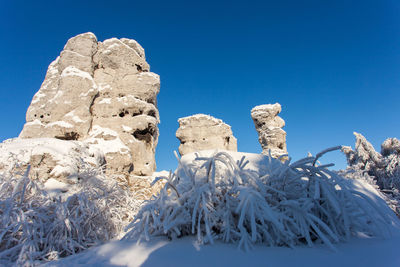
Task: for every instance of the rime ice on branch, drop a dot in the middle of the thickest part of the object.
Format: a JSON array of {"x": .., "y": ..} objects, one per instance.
[
  {"x": 269, "y": 127},
  {"x": 383, "y": 167}
]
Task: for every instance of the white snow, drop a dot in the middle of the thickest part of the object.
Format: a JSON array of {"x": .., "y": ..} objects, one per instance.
[
  {"x": 67, "y": 154},
  {"x": 60, "y": 123},
  {"x": 74, "y": 117},
  {"x": 186, "y": 251},
  {"x": 149, "y": 74},
  {"x": 114, "y": 45},
  {"x": 105, "y": 101},
  {"x": 366, "y": 252},
  {"x": 52, "y": 186},
  {"x": 126, "y": 128},
  {"x": 98, "y": 130},
  {"x": 107, "y": 146},
  {"x": 184, "y": 121},
  {"x": 73, "y": 71},
  {"x": 34, "y": 122},
  {"x": 104, "y": 86},
  {"x": 38, "y": 96}
]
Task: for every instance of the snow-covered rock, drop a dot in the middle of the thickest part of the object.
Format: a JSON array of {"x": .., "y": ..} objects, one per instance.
[
  {"x": 269, "y": 127},
  {"x": 203, "y": 132},
  {"x": 49, "y": 158},
  {"x": 94, "y": 88}
]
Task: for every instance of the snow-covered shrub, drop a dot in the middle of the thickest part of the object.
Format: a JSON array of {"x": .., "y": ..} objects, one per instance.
[
  {"x": 37, "y": 226},
  {"x": 381, "y": 170},
  {"x": 279, "y": 204}
]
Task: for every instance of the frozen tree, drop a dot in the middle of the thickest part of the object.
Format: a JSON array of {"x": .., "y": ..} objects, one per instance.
[
  {"x": 379, "y": 169},
  {"x": 278, "y": 204}
]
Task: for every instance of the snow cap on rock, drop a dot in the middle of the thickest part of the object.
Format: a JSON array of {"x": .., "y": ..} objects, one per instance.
[{"x": 203, "y": 132}]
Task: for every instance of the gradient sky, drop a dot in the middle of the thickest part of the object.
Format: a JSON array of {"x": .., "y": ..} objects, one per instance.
[{"x": 333, "y": 65}]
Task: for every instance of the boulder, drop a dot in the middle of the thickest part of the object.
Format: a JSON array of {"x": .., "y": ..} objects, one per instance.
[
  {"x": 204, "y": 132},
  {"x": 269, "y": 127}
]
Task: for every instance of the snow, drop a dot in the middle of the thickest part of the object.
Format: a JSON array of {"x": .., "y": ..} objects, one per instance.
[
  {"x": 126, "y": 128},
  {"x": 114, "y": 145},
  {"x": 73, "y": 71},
  {"x": 60, "y": 123},
  {"x": 34, "y": 122},
  {"x": 98, "y": 130},
  {"x": 114, "y": 45},
  {"x": 104, "y": 86},
  {"x": 105, "y": 101},
  {"x": 38, "y": 96},
  {"x": 150, "y": 74},
  {"x": 358, "y": 250},
  {"x": 257, "y": 162},
  {"x": 66, "y": 154},
  {"x": 184, "y": 252},
  {"x": 185, "y": 120},
  {"x": 52, "y": 186},
  {"x": 74, "y": 117},
  {"x": 56, "y": 96}
]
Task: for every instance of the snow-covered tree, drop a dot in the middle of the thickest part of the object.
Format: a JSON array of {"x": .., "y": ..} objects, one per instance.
[{"x": 379, "y": 169}]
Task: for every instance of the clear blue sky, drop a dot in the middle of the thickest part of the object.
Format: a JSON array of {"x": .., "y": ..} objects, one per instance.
[{"x": 333, "y": 65}]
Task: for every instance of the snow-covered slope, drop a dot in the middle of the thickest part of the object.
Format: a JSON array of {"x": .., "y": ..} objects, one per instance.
[{"x": 366, "y": 252}]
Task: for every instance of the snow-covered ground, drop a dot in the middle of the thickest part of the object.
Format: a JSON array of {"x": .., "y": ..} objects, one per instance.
[
  {"x": 185, "y": 252},
  {"x": 159, "y": 251},
  {"x": 367, "y": 215}
]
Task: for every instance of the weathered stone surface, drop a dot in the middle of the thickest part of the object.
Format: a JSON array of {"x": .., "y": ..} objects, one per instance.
[
  {"x": 203, "y": 132},
  {"x": 101, "y": 93},
  {"x": 269, "y": 127}
]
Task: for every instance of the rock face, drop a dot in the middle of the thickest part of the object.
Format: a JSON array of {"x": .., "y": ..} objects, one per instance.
[
  {"x": 101, "y": 93},
  {"x": 204, "y": 132},
  {"x": 269, "y": 127}
]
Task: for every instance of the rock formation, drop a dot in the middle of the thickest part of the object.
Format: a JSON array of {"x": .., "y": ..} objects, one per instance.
[
  {"x": 101, "y": 93},
  {"x": 203, "y": 132},
  {"x": 269, "y": 127}
]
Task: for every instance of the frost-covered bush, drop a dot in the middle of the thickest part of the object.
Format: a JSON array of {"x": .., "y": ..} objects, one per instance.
[
  {"x": 279, "y": 204},
  {"x": 379, "y": 169},
  {"x": 36, "y": 226}
]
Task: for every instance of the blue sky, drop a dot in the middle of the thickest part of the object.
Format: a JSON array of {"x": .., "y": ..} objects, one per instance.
[{"x": 333, "y": 65}]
